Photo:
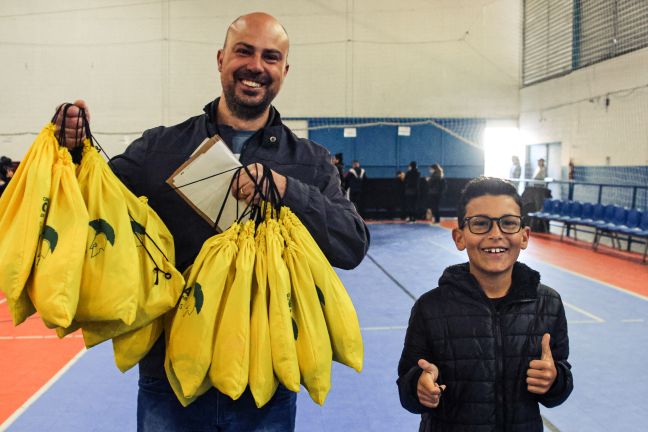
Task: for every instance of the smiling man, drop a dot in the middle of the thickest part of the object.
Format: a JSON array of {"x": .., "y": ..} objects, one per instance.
[
  {"x": 253, "y": 64},
  {"x": 490, "y": 343}
]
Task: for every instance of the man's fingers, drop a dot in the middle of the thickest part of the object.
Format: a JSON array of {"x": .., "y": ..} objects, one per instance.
[{"x": 546, "y": 348}]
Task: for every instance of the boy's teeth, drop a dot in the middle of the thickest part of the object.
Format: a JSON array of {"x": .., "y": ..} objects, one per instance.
[
  {"x": 251, "y": 83},
  {"x": 495, "y": 250}
]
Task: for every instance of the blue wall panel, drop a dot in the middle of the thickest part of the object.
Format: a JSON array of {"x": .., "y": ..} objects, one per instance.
[{"x": 382, "y": 152}]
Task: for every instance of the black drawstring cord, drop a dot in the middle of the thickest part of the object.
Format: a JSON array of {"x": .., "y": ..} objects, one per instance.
[{"x": 157, "y": 268}]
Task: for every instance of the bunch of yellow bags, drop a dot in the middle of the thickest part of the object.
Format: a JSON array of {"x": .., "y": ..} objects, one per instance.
[
  {"x": 262, "y": 306},
  {"x": 70, "y": 237}
]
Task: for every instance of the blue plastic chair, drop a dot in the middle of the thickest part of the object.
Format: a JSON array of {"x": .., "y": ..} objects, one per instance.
[
  {"x": 614, "y": 217},
  {"x": 597, "y": 215},
  {"x": 575, "y": 214},
  {"x": 546, "y": 209}
]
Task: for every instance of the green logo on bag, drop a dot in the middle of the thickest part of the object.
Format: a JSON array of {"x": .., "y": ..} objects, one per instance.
[
  {"x": 198, "y": 297},
  {"x": 51, "y": 236},
  {"x": 98, "y": 243}
]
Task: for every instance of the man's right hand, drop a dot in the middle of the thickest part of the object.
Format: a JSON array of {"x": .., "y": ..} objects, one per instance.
[
  {"x": 74, "y": 131},
  {"x": 427, "y": 389}
]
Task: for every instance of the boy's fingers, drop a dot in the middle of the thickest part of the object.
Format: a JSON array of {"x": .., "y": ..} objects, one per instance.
[
  {"x": 538, "y": 373},
  {"x": 539, "y": 365}
]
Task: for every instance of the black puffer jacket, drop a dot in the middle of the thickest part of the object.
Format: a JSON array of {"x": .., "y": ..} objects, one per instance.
[{"x": 483, "y": 353}]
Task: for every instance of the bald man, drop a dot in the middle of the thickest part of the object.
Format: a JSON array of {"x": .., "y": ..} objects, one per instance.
[{"x": 253, "y": 64}]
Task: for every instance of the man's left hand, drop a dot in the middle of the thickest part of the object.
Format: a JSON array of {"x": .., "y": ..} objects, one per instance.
[
  {"x": 542, "y": 373},
  {"x": 244, "y": 187}
]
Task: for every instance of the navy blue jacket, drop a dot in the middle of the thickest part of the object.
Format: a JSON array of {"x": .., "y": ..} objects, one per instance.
[{"x": 483, "y": 353}]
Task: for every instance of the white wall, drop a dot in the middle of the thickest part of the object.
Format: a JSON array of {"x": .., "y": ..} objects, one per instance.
[
  {"x": 572, "y": 110},
  {"x": 140, "y": 64}
]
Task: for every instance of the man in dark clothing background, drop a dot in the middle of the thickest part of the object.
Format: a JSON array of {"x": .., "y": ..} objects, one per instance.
[
  {"x": 412, "y": 189},
  {"x": 253, "y": 64},
  {"x": 355, "y": 183}
]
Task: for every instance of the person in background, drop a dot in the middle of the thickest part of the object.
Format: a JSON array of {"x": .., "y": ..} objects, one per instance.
[
  {"x": 253, "y": 63},
  {"x": 436, "y": 188},
  {"x": 6, "y": 172},
  {"x": 400, "y": 194},
  {"x": 411, "y": 191},
  {"x": 490, "y": 343},
  {"x": 516, "y": 169},
  {"x": 355, "y": 182},
  {"x": 339, "y": 164},
  {"x": 541, "y": 171}
]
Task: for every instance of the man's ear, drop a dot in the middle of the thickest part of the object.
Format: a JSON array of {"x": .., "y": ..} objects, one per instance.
[
  {"x": 459, "y": 239},
  {"x": 526, "y": 232},
  {"x": 219, "y": 59},
  {"x": 286, "y": 70}
]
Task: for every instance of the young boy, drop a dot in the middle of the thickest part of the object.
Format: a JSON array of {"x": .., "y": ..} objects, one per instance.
[{"x": 490, "y": 342}]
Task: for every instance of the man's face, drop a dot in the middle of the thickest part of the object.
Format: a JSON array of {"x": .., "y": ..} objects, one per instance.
[
  {"x": 253, "y": 65},
  {"x": 356, "y": 164},
  {"x": 541, "y": 163},
  {"x": 495, "y": 252}
]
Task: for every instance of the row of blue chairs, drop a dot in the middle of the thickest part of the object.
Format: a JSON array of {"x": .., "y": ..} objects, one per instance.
[{"x": 607, "y": 220}]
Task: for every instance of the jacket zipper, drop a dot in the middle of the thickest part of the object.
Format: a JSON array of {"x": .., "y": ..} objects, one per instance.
[{"x": 499, "y": 374}]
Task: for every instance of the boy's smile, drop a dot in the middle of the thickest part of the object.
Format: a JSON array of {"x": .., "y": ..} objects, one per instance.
[{"x": 492, "y": 254}]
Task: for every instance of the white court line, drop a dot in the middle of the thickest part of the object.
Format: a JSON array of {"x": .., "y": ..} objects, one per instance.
[
  {"x": 584, "y": 312},
  {"x": 634, "y": 320},
  {"x": 609, "y": 285},
  {"x": 379, "y": 328},
  {"x": 13, "y": 417}
]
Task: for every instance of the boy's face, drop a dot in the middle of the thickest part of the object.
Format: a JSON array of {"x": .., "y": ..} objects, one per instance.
[{"x": 491, "y": 254}]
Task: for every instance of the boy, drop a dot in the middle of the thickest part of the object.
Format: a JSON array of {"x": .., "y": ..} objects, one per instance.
[{"x": 490, "y": 342}]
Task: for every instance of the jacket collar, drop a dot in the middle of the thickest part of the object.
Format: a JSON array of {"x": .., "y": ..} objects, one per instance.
[
  {"x": 524, "y": 284},
  {"x": 272, "y": 132}
]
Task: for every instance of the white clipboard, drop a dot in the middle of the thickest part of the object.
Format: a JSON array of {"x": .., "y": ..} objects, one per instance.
[{"x": 203, "y": 181}]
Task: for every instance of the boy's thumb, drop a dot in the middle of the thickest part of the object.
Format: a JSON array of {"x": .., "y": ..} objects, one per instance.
[
  {"x": 427, "y": 367},
  {"x": 546, "y": 348}
]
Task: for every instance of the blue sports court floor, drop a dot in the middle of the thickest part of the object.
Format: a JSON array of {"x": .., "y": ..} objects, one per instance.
[{"x": 608, "y": 337}]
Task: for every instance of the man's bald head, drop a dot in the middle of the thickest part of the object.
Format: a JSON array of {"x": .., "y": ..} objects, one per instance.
[{"x": 258, "y": 19}]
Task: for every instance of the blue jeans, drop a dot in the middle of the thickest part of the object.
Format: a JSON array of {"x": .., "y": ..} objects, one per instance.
[{"x": 158, "y": 410}]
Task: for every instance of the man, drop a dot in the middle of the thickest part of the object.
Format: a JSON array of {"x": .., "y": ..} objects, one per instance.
[
  {"x": 355, "y": 179},
  {"x": 253, "y": 64},
  {"x": 339, "y": 164}
]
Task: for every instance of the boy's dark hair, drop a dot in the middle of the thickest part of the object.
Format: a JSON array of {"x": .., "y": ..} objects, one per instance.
[{"x": 481, "y": 186}]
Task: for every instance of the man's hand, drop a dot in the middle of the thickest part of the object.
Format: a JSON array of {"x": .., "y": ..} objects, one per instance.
[
  {"x": 427, "y": 389},
  {"x": 243, "y": 188},
  {"x": 542, "y": 373},
  {"x": 74, "y": 131}
]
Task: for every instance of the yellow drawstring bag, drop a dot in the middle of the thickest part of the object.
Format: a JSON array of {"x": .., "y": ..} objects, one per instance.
[
  {"x": 313, "y": 344},
  {"x": 131, "y": 347},
  {"x": 262, "y": 380},
  {"x": 160, "y": 284},
  {"x": 341, "y": 318},
  {"x": 231, "y": 359},
  {"x": 191, "y": 339},
  {"x": 54, "y": 288},
  {"x": 170, "y": 373},
  {"x": 283, "y": 328},
  {"x": 23, "y": 207},
  {"x": 110, "y": 282}
]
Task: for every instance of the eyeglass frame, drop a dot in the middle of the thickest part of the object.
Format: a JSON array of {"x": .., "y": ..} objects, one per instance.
[{"x": 466, "y": 222}]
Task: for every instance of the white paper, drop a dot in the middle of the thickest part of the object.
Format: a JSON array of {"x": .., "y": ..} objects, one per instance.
[{"x": 206, "y": 195}]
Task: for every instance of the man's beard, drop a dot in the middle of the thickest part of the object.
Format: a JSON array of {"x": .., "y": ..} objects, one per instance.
[{"x": 242, "y": 109}]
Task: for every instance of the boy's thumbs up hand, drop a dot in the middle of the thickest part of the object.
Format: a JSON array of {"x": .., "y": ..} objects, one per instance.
[
  {"x": 427, "y": 389},
  {"x": 542, "y": 373}
]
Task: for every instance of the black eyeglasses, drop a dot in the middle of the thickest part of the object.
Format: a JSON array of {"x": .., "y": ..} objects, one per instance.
[{"x": 480, "y": 224}]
